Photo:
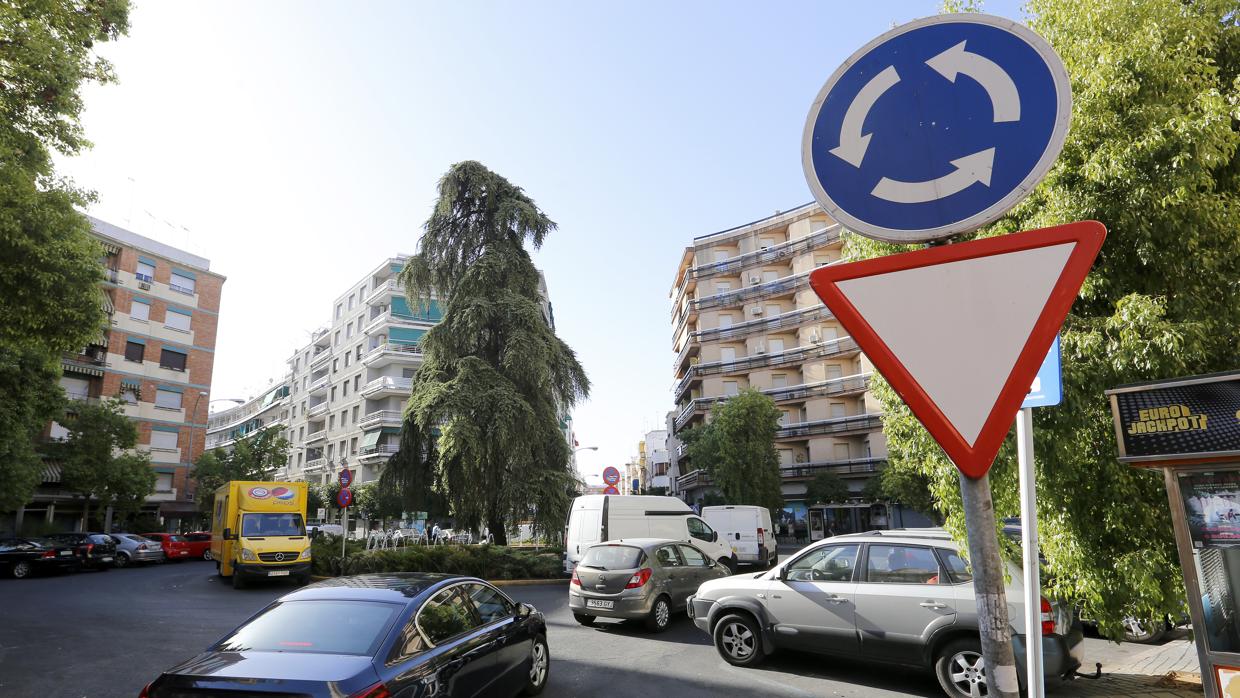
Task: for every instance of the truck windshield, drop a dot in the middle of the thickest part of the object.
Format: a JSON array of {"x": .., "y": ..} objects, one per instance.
[{"x": 257, "y": 525}]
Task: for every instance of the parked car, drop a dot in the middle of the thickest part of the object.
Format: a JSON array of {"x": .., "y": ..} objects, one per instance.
[
  {"x": 902, "y": 597},
  {"x": 132, "y": 548},
  {"x": 748, "y": 529},
  {"x": 640, "y": 578},
  {"x": 598, "y": 518},
  {"x": 22, "y": 557},
  {"x": 174, "y": 546},
  {"x": 199, "y": 544},
  {"x": 412, "y": 634},
  {"x": 94, "y": 550}
]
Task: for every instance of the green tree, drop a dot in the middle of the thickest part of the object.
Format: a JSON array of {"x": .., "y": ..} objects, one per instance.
[
  {"x": 1152, "y": 153},
  {"x": 97, "y": 457},
  {"x": 827, "y": 488},
  {"x": 483, "y": 420},
  {"x": 49, "y": 265},
  {"x": 737, "y": 449},
  {"x": 256, "y": 457}
]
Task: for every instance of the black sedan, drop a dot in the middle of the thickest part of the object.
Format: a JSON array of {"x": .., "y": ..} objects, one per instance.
[
  {"x": 93, "y": 550},
  {"x": 23, "y": 557},
  {"x": 408, "y": 635}
]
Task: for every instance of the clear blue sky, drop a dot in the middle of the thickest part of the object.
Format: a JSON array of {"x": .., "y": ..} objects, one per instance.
[{"x": 297, "y": 144}]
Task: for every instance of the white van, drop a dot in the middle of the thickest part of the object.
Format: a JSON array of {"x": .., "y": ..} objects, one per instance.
[
  {"x": 596, "y": 518},
  {"x": 747, "y": 529}
]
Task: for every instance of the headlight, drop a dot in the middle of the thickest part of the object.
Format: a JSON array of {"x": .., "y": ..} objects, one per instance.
[
  {"x": 247, "y": 554},
  {"x": 305, "y": 554}
]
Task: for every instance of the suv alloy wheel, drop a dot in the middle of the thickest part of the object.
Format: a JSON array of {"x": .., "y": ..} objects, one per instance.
[
  {"x": 738, "y": 640},
  {"x": 960, "y": 669}
]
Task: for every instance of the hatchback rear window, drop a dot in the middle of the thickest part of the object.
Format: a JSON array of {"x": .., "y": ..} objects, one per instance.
[
  {"x": 101, "y": 540},
  {"x": 324, "y": 627},
  {"x": 613, "y": 557}
]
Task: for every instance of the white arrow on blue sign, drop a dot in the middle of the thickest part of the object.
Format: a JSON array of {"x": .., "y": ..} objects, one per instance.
[
  {"x": 937, "y": 127},
  {"x": 1047, "y": 388}
]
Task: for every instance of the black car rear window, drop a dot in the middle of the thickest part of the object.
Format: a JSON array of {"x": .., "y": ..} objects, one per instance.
[
  {"x": 612, "y": 557},
  {"x": 101, "y": 540},
  {"x": 319, "y": 626}
]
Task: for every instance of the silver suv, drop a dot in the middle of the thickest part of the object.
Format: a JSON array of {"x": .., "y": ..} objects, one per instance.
[{"x": 903, "y": 597}]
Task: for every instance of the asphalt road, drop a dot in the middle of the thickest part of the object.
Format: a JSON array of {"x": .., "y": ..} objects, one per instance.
[{"x": 109, "y": 633}]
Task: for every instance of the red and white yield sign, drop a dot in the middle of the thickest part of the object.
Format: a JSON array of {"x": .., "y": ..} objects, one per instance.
[{"x": 959, "y": 331}]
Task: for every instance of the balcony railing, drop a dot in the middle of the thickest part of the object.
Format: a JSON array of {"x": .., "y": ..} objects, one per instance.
[
  {"x": 315, "y": 464},
  {"x": 859, "y": 423},
  {"x": 695, "y": 478},
  {"x": 319, "y": 385},
  {"x": 381, "y": 291},
  {"x": 387, "y": 384},
  {"x": 377, "y": 451},
  {"x": 691, "y": 347},
  {"x": 320, "y": 359},
  {"x": 394, "y": 417},
  {"x": 854, "y": 466},
  {"x": 410, "y": 351},
  {"x": 316, "y": 436},
  {"x": 833, "y": 387},
  {"x": 766, "y": 290},
  {"x": 765, "y": 325},
  {"x": 317, "y": 410},
  {"x": 833, "y": 348}
]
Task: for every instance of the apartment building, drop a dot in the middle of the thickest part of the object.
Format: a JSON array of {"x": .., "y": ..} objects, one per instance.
[
  {"x": 744, "y": 316},
  {"x": 269, "y": 410},
  {"x": 157, "y": 353}
]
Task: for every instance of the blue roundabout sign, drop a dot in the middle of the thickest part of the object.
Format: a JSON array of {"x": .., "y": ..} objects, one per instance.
[{"x": 937, "y": 127}]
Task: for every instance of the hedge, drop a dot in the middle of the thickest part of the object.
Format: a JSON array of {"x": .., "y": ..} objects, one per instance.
[{"x": 484, "y": 561}]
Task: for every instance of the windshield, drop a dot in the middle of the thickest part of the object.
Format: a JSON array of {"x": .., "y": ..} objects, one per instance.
[
  {"x": 328, "y": 626},
  {"x": 612, "y": 557},
  {"x": 256, "y": 525}
]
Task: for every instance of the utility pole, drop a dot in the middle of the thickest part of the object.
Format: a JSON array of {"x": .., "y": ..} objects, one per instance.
[{"x": 992, "y": 615}]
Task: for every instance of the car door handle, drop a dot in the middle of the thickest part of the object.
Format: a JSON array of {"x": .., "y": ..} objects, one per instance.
[
  {"x": 835, "y": 598},
  {"x": 932, "y": 604}
]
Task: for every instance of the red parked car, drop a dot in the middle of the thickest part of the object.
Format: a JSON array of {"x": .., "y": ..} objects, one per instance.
[
  {"x": 199, "y": 544},
  {"x": 175, "y": 547}
]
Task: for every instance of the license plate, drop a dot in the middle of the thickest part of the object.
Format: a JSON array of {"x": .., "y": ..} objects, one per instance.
[
  {"x": 105, "y": 559},
  {"x": 599, "y": 603},
  {"x": 277, "y": 573},
  {"x": 66, "y": 553}
]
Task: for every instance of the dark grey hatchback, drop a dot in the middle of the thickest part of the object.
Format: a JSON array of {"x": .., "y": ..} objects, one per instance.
[{"x": 375, "y": 636}]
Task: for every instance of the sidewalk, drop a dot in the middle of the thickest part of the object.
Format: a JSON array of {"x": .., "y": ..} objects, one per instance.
[{"x": 1166, "y": 671}]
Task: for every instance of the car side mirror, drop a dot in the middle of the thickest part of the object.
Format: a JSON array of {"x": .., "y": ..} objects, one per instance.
[
  {"x": 714, "y": 536},
  {"x": 523, "y": 610},
  {"x": 783, "y": 574},
  {"x": 228, "y": 534}
]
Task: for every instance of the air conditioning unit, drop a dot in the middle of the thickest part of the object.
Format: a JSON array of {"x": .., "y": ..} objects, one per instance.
[
  {"x": 755, "y": 280},
  {"x": 760, "y": 349},
  {"x": 144, "y": 286},
  {"x": 755, "y": 311},
  {"x": 815, "y": 337},
  {"x": 800, "y": 457}
]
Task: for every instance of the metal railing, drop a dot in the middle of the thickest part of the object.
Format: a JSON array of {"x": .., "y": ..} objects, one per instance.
[
  {"x": 315, "y": 463},
  {"x": 317, "y": 410},
  {"x": 835, "y": 386},
  {"x": 839, "y": 467},
  {"x": 791, "y": 319},
  {"x": 796, "y": 355},
  {"x": 386, "y": 383},
  {"x": 318, "y": 385},
  {"x": 378, "y": 450},
  {"x": 763, "y": 290},
  {"x": 838, "y": 425},
  {"x": 382, "y": 289},
  {"x": 404, "y": 349},
  {"x": 316, "y": 436},
  {"x": 320, "y": 358},
  {"x": 380, "y": 417},
  {"x": 817, "y": 238}
]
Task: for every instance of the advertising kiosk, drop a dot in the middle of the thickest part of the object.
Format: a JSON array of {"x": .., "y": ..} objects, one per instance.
[{"x": 1190, "y": 427}]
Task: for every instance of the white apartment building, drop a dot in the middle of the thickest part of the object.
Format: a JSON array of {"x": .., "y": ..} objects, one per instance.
[
  {"x": 744, "y": 316},
  {"x": 657, "y": 462}
]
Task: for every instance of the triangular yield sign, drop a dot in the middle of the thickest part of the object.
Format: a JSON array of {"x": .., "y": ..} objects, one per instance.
[{"x": 959, "y": 331}]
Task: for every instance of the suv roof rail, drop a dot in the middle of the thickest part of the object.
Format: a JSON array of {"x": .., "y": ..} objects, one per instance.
[{"x": 936, "y": 533}]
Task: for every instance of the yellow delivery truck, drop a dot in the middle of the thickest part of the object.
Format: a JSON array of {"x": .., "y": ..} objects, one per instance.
[{"x": 258, "y": 529}]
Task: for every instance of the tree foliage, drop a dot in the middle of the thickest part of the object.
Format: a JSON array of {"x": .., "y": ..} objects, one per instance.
[
  {"x": 736, "y": 447},
  {"x": 482, "y": 427},
  {"x": 826, "y": 488},
  {"x": 97, "y": 457},
  {"x": 1152, "y": 153},
  {"x": 49, "y": 265},
  {"x": 256, "y": 457}
]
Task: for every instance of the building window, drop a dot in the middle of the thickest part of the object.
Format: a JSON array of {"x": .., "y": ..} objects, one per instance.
[
  {"x": 146, "y": 271},
  {"x": 779, "y": 380},
  {"x": 353, "y": 446},
  {"x": 181, "y": 282},
  {"x": 333, "y": 395},
  {"x": 345, "y": 392},
  {"x": 177, "y": 320},
  {"x": 357, "y": 382},
  {"x": 773, "y": 310},
  {"x": 727, "y": 354},
  {"x": 140, "y": 310},
  {"x": 838, "y": 410},
  {"x": 335, "y": 365},
  {"x": 346, "y": 359},
  {"x": 299, "y": 459},
  {"x": 301, "y": 434},
  {"x": 344, "y": 417},
  {"x": 731, "y": 388},
  {"x": 294, "y": 414},
  {"x": 134, "y": 351},
  {"x": 129, "y": 393},
  {"x": 339, "y": 310},
  {"x": 721, "y": 255},
  {"x": 355, "y": 414},
  {"x": 351, "y": 301},
  {"x": 330, "y": 451},
  {"x": 163, "y": 482},
  {"x": 723, "y": 286},
  {"x": 769, "y": 276},
  {"x": 358, "y": 355},
  {"x": 725, "y": 321},
  {"x": 348, "y": 330},
  {"x": 336, "y": 339},
  {"x": 167, "y": 399},
  {"x": 331, "y": 421},
  {"x": 172, "y": 359},
  {"x": 164, "y": 440},
  {"x": 775, "y": 345},
  {"x": 821, "y": 260},
  {"x": 767, "y": 243},
  {"x": 841, "y": 452},
  {"x": 834, "y": 371}
]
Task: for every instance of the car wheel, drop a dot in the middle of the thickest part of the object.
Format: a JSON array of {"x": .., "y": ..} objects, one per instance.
[
  {"x": 961, "y": 670},
  {"x": 238, "y": 581},
  {"x": 20, "y": 570},
  {"x": 739, "y": 641},
  {"x": 1141, "y": 633},
  {"x": 660, "y": 615},
  {"x": 122, "y": 560},
  {"x": 540, "y": 667},
  {"x": 206, "y": 555},
  {"x": 584, "y": 619}
]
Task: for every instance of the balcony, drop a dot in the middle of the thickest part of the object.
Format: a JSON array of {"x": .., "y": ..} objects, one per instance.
[
  {"x": 168, "y": 495},
  {"x": 388, "y": 353},
  {"x": 317, "y": 410},
  {"x": 387, "y": 386},
  {"x": 320, "y": 359},
  {"x": 696, "y": 478},
  {"x": 691, "y": 349},
  {"x": 315, "y": 464},
  {"x": 818, "y": 238},
  {"x": 377, "y": 452},
  {"x": 691, "y": 377},
  {"x": 770, "y": 289},
  {"x": 835, "y": 348},
  {"x": 764, "y": 325},
  {"x": 834, "y": 387},
  {"x": 316, "y": 436},
  {"x": 382, "y": 418},
  {"x": 854, "y": 466},
  {"x": 319, "y": 387},
  {"x": 838, "y": 426},
  {"x": 382, "y": 295}
]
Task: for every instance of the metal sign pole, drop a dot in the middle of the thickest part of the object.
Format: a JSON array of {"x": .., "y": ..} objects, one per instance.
[
  {"x": 992, "y": 618},
  {"x": 1034, "y": 680},
  {"x": 344, "y": 531}
]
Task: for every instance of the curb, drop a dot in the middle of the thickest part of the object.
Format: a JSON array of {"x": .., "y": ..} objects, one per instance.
[{"x": 495, "y": 582}]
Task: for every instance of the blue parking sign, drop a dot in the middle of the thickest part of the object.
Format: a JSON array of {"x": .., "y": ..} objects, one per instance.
[{"x": 1047, "y": 388}]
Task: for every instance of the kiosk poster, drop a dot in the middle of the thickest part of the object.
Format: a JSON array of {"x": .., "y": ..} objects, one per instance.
[
  {"x": 1212, "y": 507},
  {"x": 1180, "y": 420}
]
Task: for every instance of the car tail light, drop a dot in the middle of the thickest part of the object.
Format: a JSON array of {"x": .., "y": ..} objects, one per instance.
[
  {"x": 50, "y": 553},
  {"x": 89, "y": 547},
  {"x": 1048, "y": 620},
  {"x": 576, "y": 581},
  {"x": 146, "y": 691},
  {"x": 761, "y": 537},
  {"x": 639, "y": 579},
  {"x": 376, "y": 691}
]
